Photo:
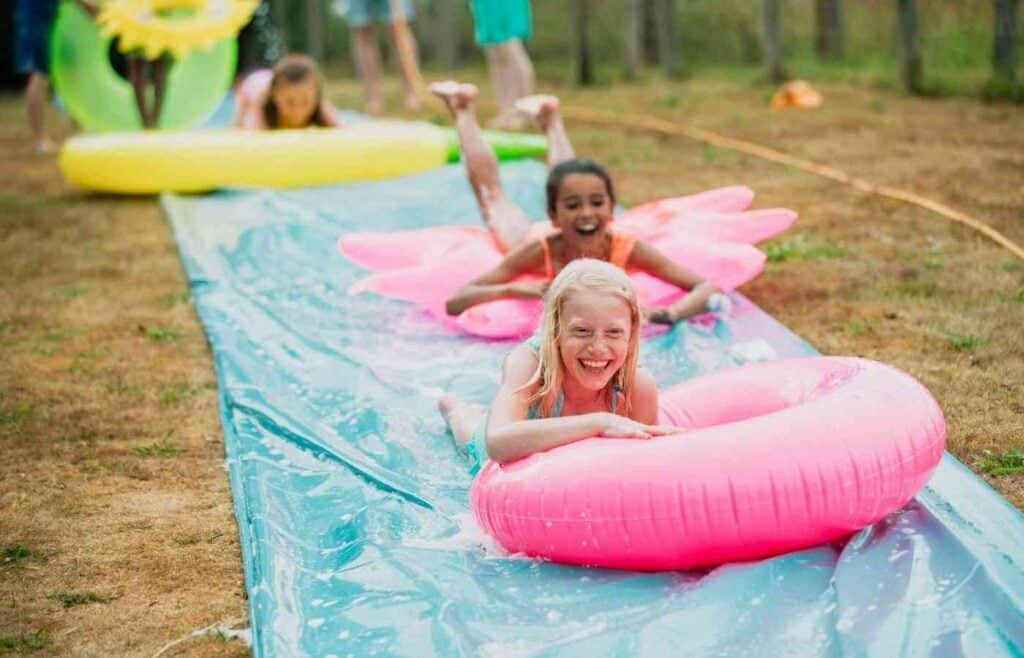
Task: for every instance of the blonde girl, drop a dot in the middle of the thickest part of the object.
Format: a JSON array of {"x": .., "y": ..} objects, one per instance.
[{"x": 577, "y": 378}]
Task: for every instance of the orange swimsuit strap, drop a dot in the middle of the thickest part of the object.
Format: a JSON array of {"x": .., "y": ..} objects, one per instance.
[{"x": 618, "y": 255}]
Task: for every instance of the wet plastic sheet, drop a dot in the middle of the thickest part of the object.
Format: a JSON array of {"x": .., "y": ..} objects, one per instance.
[{"x": 353, "y": 503}]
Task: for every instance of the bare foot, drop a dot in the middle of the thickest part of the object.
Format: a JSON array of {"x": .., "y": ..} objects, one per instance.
[
  {"x": 412, "y": 101},
  {"x": 542, "y": 109},
  {"x": 43, "y": 146},
  {"x": 374, "y": 107},
  {"x": 461, "y": 417},
  {"x": 457, "y": 96},
  {"x": 447, "y": 404}
]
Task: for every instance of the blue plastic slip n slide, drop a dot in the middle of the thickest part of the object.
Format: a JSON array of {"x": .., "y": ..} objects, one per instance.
[{"x": 352, "y": 501}]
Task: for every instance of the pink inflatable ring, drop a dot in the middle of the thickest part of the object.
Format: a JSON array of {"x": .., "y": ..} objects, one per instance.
[{"x": 775, "y": 457}]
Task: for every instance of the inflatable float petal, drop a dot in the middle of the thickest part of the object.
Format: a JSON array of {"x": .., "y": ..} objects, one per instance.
[
  {"x": 401, "y": 249},
  {"x": 750, "y": 226},
  {"x": 505, "y": 318},
  {"x": 736, "y": 198},
  {"x": 715, "y": 245},
  {"x": 728, "y": 265}
]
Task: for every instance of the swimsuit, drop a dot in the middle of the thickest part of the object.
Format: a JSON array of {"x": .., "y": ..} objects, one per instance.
[
  {"x": 476, "y": 449},
  {"x": 618, "y": 255}
]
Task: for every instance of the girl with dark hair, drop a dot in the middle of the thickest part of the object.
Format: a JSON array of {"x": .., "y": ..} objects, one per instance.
[
  {"x": 580, "y": 204},
  {"x": 288, "y": 97}
]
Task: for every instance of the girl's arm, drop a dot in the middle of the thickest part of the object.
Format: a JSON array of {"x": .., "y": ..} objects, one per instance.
[
  {"x": 647, "y": 257},
  {"x": 511, "y": 435},
  {"x": 249, "y": 113},
  {"x": 330, "y": 114},
  {"x": 498, "y": 282}
]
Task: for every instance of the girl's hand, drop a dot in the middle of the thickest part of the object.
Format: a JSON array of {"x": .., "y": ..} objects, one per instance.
[
  {"x": 528, "y": 289},
  {"x": 620, "y": 427}
]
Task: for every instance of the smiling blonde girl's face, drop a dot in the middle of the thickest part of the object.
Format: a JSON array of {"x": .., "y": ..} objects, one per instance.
[{"x": 594, "y": 337}]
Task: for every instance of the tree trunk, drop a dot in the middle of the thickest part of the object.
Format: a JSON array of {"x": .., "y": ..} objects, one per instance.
[
  {"x": 650, "y": 43},
  {"x": 279, "y": 16},
  {"x": 581, "y": 34},
  {"x": 668, "y": 37},
  {"x": 634, "y": 37},
  {"x": 447, "y": 35},
  {"x": 315, "y": 29},
  {"x": 770, "y": 42},
  {"x": 911, "y": 68},
  {"x": 1004, "y": 51},
  {"x": 829, "y": 21}
]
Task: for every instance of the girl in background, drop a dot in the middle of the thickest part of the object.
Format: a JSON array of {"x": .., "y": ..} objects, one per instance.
[{"x": 290, "y": 96}]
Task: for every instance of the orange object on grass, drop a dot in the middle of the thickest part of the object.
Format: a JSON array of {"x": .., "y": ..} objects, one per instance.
[{"x": 797, "y": 93}]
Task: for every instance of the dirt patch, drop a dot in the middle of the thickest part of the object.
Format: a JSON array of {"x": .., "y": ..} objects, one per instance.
[{"x": 117, "y": 512}]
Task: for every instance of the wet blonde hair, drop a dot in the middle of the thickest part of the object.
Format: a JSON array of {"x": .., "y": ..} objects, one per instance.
[{"x": 583, "y": 274}]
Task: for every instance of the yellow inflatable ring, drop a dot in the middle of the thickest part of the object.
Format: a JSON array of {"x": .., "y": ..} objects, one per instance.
[
  {"x": 151, "y": 162},
  {"x": 173, "y": 26}
]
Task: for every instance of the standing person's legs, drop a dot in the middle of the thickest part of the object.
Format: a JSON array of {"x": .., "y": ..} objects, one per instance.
[
  {"x": 137, "y": 76},
  {"x": 367, "y": 60},
  {"x": 33, "y": 20},
  {"x": 506, "y": 221},
  {"x": 403, "y": 47},
  {"x": 365, "y": 55},
  {"x": 523, "y": 68},
  {"x": 493, "y": 56},
  {"x": 35, "y": 106},
  {"x": 406, "y": 69},
  {"x": 158, "y": 70},
  {"x": 364, "y": 51},
  {"x": 543, "y": 110},
  {"x": 505, "y": 78}
]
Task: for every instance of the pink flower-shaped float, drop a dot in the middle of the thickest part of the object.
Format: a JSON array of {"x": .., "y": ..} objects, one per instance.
[{"x": 711, "y": 233}]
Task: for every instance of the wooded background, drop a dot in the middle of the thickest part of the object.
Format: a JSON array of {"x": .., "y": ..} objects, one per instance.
[{"x": 928, "y": 46}]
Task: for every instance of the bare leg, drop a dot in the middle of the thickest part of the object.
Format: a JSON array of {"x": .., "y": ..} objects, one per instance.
[
  {"x": 461, "y": 417},
  {"x": 137, "y": 76},
  {"x": 497, "y": 79},
  {"x": 506, "y": 221},
  {"x": 543, "y": 110},
  {"x": 523, "y": 68},
  {"x": 506, "y": 86},
  {"x": 412, "y": 100},
  {"x": 159, "y": 78},
  {"x": 35, "y": 106},
  {"x": 367, "y": 58}
]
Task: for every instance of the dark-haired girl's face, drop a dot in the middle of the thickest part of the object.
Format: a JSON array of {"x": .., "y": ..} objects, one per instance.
[
  {"x": 583, "y": 207},
  {"x": 296, "y": 103}
]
